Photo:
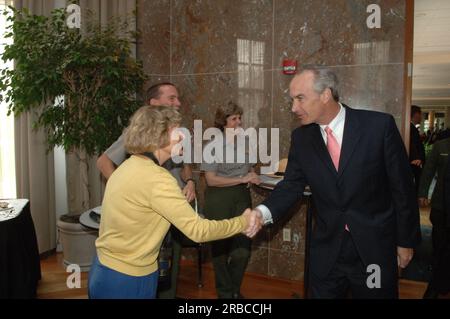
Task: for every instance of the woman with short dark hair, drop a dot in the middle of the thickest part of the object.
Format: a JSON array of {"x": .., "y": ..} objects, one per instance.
[{"x": 227, "y": 194}]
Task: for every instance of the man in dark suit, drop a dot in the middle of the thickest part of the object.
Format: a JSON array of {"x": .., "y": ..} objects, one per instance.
[
  {"x": 447, "y": 193},
  {"x": 367, "y": 218},
  {"x": 446, "y": 265},
  {"x": 416, "y": 148}
]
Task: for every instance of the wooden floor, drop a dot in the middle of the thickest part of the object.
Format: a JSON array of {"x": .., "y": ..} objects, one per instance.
[
  {"x": 255, "y": 286},
  {"x": 53, "y": 283}
]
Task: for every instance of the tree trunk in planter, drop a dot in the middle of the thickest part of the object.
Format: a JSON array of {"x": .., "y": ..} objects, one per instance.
[
  {"x": 85, "y": 187},
  {"x": 78, "y": 184},
  {"x": 78, "y": 242},
  {"x": 84, "y": 192}
]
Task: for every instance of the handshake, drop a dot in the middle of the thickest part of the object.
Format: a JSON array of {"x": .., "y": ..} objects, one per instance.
[{"x": 255, "y": 222}]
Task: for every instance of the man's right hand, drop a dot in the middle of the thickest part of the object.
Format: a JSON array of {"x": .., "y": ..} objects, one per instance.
[
  {"x": 423, "y": 202},
  {"x": 254, "y": 222},
  {"x": 404, "y": 256},
  {"x": 417, "y": 162}
]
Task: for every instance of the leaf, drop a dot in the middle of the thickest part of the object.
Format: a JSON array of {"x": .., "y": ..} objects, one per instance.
[{"x": 93, "y": 71}]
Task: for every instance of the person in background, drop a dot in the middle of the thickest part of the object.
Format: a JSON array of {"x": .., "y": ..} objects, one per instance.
[
  {"x": 445, "y": 266},
  {"x": 227, "y": 195},
  {"x": 436, "y": 165},
  {"x": 416, "y": 147},
  {"x": 432, "y": 137},
  {"x": 447, "y": 193},
  {"x": 159, "y": 94},
  {"x": 141, "y": 201},
  {"x": 443, "y": 133}
]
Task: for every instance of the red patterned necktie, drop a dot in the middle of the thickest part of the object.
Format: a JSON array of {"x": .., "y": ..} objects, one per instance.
[{"x": 333, "y": 147}]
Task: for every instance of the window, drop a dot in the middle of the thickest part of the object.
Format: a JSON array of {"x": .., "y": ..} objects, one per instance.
[
  {"x": 7, "y": 160},
  {"x": 250, "y": 79}
]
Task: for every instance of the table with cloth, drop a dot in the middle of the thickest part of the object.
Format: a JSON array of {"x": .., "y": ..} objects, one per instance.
[{"x": 20, "y": 269}]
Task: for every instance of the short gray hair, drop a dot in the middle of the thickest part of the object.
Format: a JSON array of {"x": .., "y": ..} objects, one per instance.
[{"x": 324, "y": 78}]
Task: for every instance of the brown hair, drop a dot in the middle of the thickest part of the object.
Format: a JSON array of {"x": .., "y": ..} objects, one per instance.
[
  {"x": 415, "y": 109},
  {"x": 153, "y": 92},
  {"x": 223, "y": 112}
]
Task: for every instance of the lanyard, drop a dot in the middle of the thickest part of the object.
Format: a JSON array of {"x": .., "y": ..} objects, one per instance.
[{"x": 152, "y": 157}]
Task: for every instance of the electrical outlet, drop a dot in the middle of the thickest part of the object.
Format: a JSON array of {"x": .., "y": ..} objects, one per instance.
[{"x": 286, "y": 234}]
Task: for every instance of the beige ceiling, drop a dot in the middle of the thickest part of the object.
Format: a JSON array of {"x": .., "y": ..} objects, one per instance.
[{"x": 431, "y": 68}]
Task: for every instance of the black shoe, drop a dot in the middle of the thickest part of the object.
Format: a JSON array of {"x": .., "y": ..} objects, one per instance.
[
  {"x": 238, "y": 296},
  {"x": 430, "y": 293}
]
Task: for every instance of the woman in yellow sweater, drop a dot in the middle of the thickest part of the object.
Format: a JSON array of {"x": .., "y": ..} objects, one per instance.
[{"x": 141, "y": 200}]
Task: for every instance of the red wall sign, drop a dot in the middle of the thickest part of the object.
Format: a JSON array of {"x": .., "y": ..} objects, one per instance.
[{"x": 289, "y": 66}]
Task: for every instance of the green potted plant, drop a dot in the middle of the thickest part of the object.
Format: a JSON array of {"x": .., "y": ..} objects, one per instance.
[{"x": 83, "y": 84}]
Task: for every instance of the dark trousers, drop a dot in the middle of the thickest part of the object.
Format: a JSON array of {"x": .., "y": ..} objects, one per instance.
[
  {"x": 230, "y": 256},
  {"x": 417, "y": 172},
  {"x": 440, "y": 278},
  {"x": 348, "y": 278},
  {"x": 168, "y": 290}
]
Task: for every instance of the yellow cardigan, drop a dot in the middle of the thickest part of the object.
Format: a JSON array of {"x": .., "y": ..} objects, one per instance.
[{"x": 141, "y": 200}]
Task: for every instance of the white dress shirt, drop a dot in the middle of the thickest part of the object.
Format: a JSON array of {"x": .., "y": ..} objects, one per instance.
[{"x": 337, "y": 127}]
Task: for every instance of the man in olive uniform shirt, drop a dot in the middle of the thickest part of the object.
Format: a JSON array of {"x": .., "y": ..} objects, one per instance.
[{"x": 437, "y": 164}]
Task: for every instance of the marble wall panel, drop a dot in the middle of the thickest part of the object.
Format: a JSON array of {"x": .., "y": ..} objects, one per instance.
[
  {"x": 153, "y": 24},
  {"x": 259, "y": 260},
  {"x": 285, "y": 264},
  {"x": 336, "y": 33},
  {"x": 216, "y": 36},
  {"x": 201, "y": 95}
]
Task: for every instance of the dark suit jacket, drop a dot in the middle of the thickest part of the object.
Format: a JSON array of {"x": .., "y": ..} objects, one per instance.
[
  {"x": 447, "y": 192},
  {"x": 436, "y": 164},
  {"x": 373, "y": 192},
  {"x": 416, "y": 148}
]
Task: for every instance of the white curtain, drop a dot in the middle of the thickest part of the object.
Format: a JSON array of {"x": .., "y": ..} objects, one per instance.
[
  {"x": 34, "y": 166},
  {"x": 6, "y": 2}
]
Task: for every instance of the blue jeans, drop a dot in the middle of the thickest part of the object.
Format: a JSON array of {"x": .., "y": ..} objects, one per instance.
[{"x": 106, "y": 283}]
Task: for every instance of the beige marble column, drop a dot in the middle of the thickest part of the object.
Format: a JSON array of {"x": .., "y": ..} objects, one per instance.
[{"x": 431, "y": 117}]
